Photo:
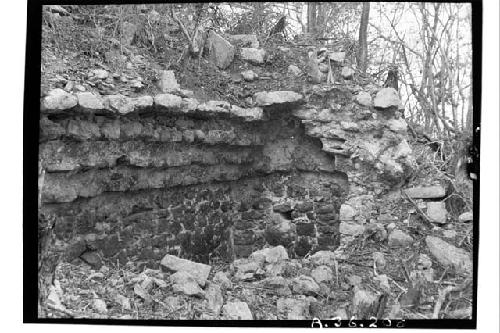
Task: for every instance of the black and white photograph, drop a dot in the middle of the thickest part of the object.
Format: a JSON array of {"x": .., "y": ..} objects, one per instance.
[{"x": 253, "y": 164}]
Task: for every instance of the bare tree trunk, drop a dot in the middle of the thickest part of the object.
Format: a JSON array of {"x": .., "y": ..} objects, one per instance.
[
  {"x": 363, "y": 44},
  {"x": 311, "y": 17}
]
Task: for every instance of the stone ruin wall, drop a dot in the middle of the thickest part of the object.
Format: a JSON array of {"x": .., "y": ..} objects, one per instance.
[{"x": 137, "y": 178}]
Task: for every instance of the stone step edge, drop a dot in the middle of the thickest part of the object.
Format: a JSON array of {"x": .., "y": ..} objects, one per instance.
[{"x": 58, "y": 101}]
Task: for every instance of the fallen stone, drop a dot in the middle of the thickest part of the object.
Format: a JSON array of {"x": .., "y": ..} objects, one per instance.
[
  {"x": 364, "y": 98},
  {"x": 54, "y": 299},
  {"x": 294, "y": 70},
  {"x": 294, "y": 309},
  {"x": 430, "y": 192},
  {"x": 355, "y": 280},
  {"x": 322, "y": 274},
  {"x": 323, "y": 258},
  {"x": 265, "y": 98},
  {"x": 214, "y": 298},
  {"x": 398, "y": 238},
  {"x": 167, "y": 82},
  {"x": 58, "y": 99},
  {"x": 199, "y": 271},
  {"x": 253, "y": 55},
  {"x": 220, "y": 51},
  {"x": 449, "y": 255},
  {"x": 222, "y": 279},
  {"x": 123, "y": 301},
  {"x": 249, "y": 75},
  {"x": 305, "y": 285},
  {"x": 237, "y": 311},
  {"x": 436, "y": 211},
  {"x": 185, "y": 283},
  {"x": 270, "y": 255},
  {"x": 385, "y": 98},
  {"x": 466, "y": 217},
  {"x": 347, "y": 72},
  {"x": 100, "y": 74},
  {"x": 424, "y": 262},
  {"x": 99, "y": 305}
]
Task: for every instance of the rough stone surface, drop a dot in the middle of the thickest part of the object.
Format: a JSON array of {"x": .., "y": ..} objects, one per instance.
[
  {"x": 429, "y": 192},
  {"x": 465, "y": 217},
  {"x": 221, "y": 52},
  {"x": 398, "y": 238},
  {"x": 253, "y": 55},
  {"x": 249, "y": 75},
  {"x": 213, "y": 295},
  {"x": 322, "y": 274},
  {"x": 277, "y": 97},
  {"x": 294, "y": 309},
  {"x": 305, "y": 285},
  {"x": 90, "y": 101},
  {"x": 270, "y": 255},
  {"x": 347, "y": 212},
  {"x": 168, "y": 101},
  {"x": 436, "y": 211},
  {"x": 237, "y": 311},
  {"x": 222, "y": 279},
  {"x": 199, "y": 271},
  {"x": 449, "y": 255},
  {"x": 58, "y": 99},
  {"x": 351, "y": 228},
  {"x": 386, "y": 97},
  {"x": 364, "y": 98},
  {"x": 183, "y": 282},
  {"x": 167, "y": 82}
]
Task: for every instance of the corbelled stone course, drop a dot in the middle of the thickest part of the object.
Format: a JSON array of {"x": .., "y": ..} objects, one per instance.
[{"x": 139, "y": 178}]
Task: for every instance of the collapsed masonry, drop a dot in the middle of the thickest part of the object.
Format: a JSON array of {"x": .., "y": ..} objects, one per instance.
[{"x": 137, "y": 178}]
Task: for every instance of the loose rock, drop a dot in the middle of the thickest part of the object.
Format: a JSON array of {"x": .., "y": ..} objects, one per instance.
[
  {"x": 249, "y": 75},
  {"x": 386, "y": 98},
  {"x": 449, "y": 255},
  {"x": 465, "y": 217},
  {"x": 221, "y": 52},
  {"x": 253, "y": 55},
  {"x": 364, "y": 98},
  {"x": 237, "y": 311},
  {"x": 429, "y": 192},
  {"x": 305, "y": 285},
  {"x": 168, "y": 83},
  {"x": 199, "y": 271},
  {"x": 436, "y": 211},
  {"x": 397, "y": 238}
]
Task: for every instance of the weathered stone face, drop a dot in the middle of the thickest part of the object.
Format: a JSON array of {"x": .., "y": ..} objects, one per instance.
[
  {"x": 146, "y": 177},
  {"x": 206, "y": 182}
]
